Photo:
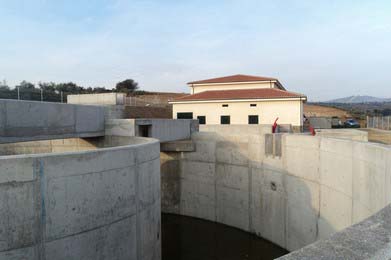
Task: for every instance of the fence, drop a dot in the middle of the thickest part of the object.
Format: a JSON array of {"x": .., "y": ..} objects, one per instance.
[
  {"x": 379, "y": 122},
  {"x": 34, "y": 95},
  {"x": 61, "y": 96}
]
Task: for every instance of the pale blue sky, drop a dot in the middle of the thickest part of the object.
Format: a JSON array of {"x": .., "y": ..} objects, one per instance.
[{"x": 325, "y": 49}]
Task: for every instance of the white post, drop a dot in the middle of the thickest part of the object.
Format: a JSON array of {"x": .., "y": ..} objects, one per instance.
[{"x": 382, "y": 122}]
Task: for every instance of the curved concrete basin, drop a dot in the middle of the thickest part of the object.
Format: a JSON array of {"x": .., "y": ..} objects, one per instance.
[
  {"x": 317, "y": 186},
  {"x": 80, "y": 199}
]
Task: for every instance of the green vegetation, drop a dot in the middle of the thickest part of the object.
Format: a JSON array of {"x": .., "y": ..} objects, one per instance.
[{"x": 58, "y": 92}]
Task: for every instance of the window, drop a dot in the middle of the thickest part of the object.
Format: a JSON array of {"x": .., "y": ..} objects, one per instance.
[
  {"x": 225, "y": 105},
  {"x": 201, "y": 120},
  {"x": 225, "y": 120},
  {"x": 144, "y": 130},
  {"x": 184, "y": 115},
  {"x": 253, "y": 105},
  {"x": 252, "y": 120}
]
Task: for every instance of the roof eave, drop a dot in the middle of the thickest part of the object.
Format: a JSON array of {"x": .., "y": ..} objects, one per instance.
[
  {"x": 303, "y": 98},
  {"x": 191, "y": 84}
]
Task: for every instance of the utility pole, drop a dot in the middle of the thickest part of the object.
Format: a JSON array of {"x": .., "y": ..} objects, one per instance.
[
  {"x": 41, "y": 95},
  {"x": 18, "y": 93}
]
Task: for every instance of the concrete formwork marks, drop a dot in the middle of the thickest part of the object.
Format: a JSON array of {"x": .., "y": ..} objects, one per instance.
[
  {"x": 316, "y": 187},
  {"x": 102, "y": 204}
]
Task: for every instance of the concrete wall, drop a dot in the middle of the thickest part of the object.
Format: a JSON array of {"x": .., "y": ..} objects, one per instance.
[
  {"x": 350, "y": 134},
  {"x": 100, "y": 204},
  {"x": 29, "y": 120},
  {"x": 162, "y": 129},
  {"x": 320, "y": 122},
  {"x": 237, "y": 129},
  {"x": 97, "y": 99},
  {"x": 288, "y": 111},
  {"x": 316, "y": 187},
  {"x": 366, "y": 240}
]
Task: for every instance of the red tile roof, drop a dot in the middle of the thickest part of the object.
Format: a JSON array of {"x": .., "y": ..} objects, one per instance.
[
  {"x": 233, "y": 78},
  {"x": 260, "y": 93}
]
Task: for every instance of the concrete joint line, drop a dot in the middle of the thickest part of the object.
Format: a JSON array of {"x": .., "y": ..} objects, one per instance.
[
  {"x": 138, "y": 221},
  {"x": 250, "y": 199},
  {"x": 319, "y": 194},
  {"x": 40, "y": 196}
]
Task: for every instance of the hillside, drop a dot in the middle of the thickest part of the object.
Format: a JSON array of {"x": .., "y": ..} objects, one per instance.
[{"x": 359, "y": 99}]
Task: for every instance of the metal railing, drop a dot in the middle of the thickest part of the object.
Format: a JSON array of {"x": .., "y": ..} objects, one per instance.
[
  {"x": 34, "y": 95},
  {"x": 379, "y": 122}
]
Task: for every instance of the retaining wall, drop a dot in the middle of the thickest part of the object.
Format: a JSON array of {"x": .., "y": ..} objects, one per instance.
[
  {"x": 318, "y": 186},
  {"x": 163, "y": 129},
  {"x": 31, "y": 120},
  {"x": 350, "y": 134},
  {"x": 97, "y": 99},
  {"x": 85, "y": 204}
]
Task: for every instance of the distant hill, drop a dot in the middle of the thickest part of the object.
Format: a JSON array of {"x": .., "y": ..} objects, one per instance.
[{"x": 359, "y": 99}]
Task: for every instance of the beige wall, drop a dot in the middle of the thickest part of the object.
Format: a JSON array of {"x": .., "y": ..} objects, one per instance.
[
  {"x": 288, "y": 111},
  {"x": 97, "y": 99},
  {"x": 204, "y": 87}
]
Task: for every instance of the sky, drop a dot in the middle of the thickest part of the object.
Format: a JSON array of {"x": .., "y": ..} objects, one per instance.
[{"x": 324, "y": 49}]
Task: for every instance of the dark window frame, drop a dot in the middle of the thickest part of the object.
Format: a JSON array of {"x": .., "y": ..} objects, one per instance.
[
  {"x": 253, "y": 119},
  {"x": 183, "y": 115},
  {"x": 201, "y": 120},
  {"x": 225, "y": 120}
]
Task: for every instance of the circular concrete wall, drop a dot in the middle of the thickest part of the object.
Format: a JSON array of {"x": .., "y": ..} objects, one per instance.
[
  {"x": 80, "y": 199},
  {"x": 316, "y": 187}
]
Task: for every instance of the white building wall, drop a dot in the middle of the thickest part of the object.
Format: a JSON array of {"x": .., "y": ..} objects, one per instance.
[
  {"x": 288, "y": 111},
  {"x": 194, "y": 89}
]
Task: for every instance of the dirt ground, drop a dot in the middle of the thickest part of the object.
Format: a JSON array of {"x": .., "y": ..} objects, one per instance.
[
  {"x": 378, "y": 136},
  {"x": 324, "y": 111}
]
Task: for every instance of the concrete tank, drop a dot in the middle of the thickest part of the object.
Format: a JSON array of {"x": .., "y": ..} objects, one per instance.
[
  {"x": 310, "y": 189},
  {"x": 96, "y": 198}
]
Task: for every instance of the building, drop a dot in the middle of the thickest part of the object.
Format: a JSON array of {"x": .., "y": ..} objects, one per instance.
[{"x": 240, "y": 99}]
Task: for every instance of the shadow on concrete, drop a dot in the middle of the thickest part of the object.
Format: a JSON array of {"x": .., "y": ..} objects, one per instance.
[{"x": 247, "y": 190}]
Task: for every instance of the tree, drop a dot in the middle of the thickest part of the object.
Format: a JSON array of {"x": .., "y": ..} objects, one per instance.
[
  {"x": 127, "y": 86},
  {"x": 69, "y": 87},
  {"x": 47, "y": 87},
  {"x": 100, "y": 90},
  {"x": 4, "y": 86},
  {"x": 26, "y": 85}
]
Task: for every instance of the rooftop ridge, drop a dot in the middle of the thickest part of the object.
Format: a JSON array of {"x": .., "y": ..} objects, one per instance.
[{"x": 234, "y": 78}]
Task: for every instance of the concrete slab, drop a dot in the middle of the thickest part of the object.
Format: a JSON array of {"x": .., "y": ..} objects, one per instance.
[
  {"x": 335, "y": 212},
  {"x": 232, "y": 153},
  {"x": 302, "y": 212},
  {"x": 336, "y": 165}
]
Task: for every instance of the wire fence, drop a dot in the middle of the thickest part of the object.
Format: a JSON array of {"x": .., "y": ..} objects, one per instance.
[
  {"x": 379, "y": 122},
  {"x": 34, "y": 95},
  {"x": 61, "y": 97}
]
